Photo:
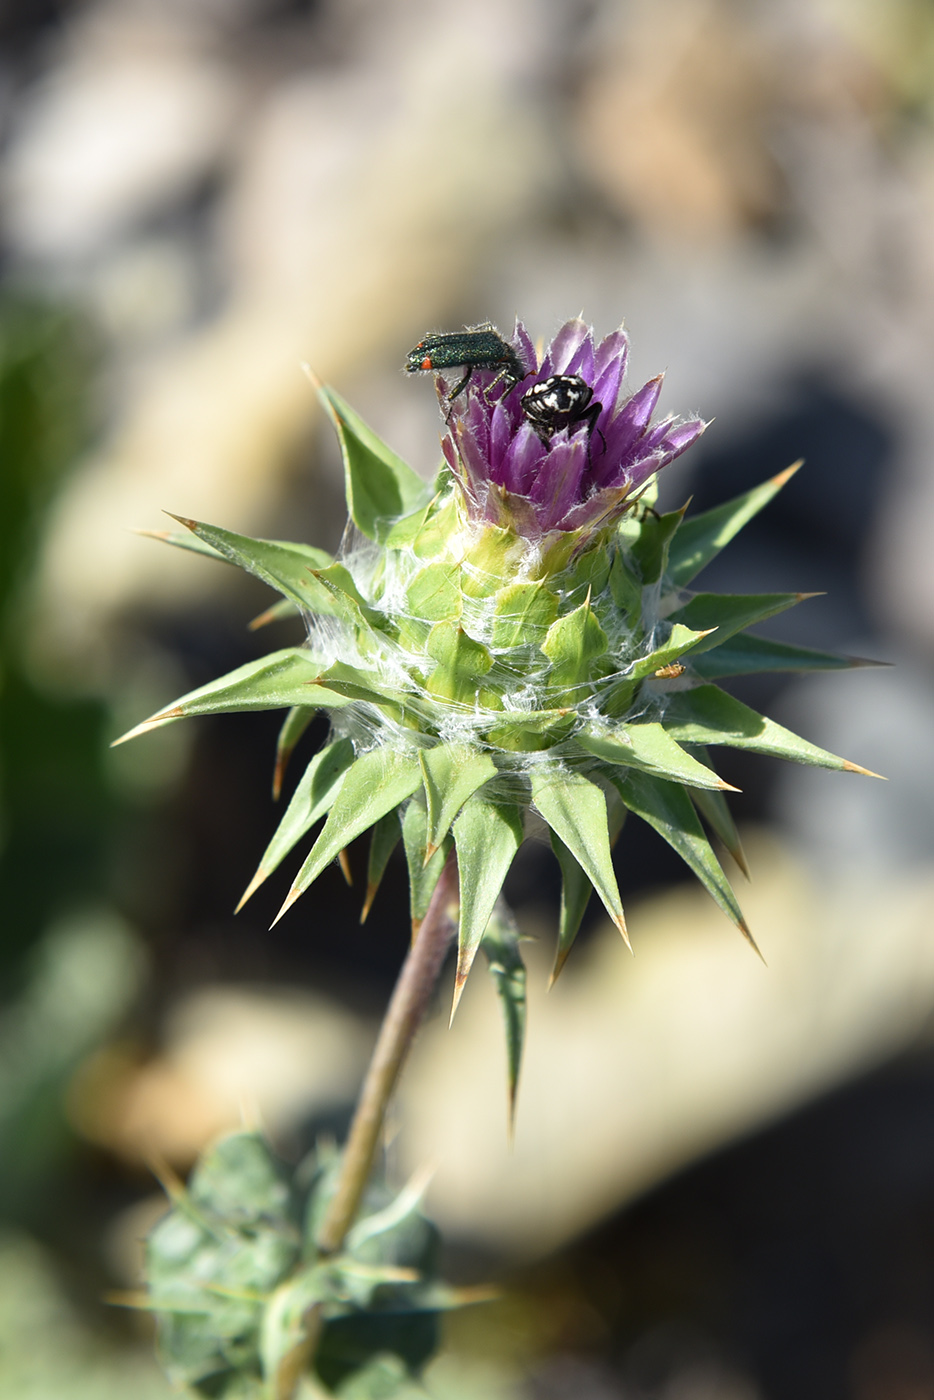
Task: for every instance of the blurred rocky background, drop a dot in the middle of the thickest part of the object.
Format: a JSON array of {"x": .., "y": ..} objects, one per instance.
[{"x": 722, "y": 1183}]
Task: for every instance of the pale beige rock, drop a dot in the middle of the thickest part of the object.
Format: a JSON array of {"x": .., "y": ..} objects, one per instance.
[
  {"x": 231, "y": 1056},
  {"x": 636, "y": 1066}
]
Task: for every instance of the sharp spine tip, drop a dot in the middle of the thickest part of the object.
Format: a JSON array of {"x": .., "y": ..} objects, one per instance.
[
  {"x": 739, "y": 855},
  {"x": 787, "y": 473},
  {"x": 744, "y": 930},
  {"x": 251, "y": 888},
  {"x": 460, "y": 982},
  {"x": 849, "y": 767},
  {"x": 368, "y": 902},
  {"x": 290, "y": 899}
]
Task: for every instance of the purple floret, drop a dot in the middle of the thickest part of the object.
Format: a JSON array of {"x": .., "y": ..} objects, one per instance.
[{"x": 576, "y": 477}]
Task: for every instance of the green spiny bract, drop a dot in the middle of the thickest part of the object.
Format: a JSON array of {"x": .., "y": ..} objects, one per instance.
[
  {"x": 233, "y": 1274},
  {"x": 483, "y": 650}
]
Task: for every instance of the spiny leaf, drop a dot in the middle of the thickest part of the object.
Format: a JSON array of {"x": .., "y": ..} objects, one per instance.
[
  {"x": 434, "y": 594},
  {"x": 715, "y": 810},
  {"x": 311, "y": 799},
  {"x": 651, "y": 748},
  {"x": 500, "y": 944},
  {"x": 576, "y": 888},
  {"x": 281, "y": 679},
  {"x": 425, "y": 866},
  {"x": 345, "y": 599},
  {"x": 380, "y": 487},
  {"x": 617, "y": 695},
  {"x": 460, "y": 663},
  {"x": 284, "y": 566},
  {"x": 681, "y": 640},
  {"x": 701, "y": 538},
  {"x": 625, "y": 588},
  {"x": 573, "y": 642},
  {"x": 650, "y": 549},
  {"x": 725, "y": 613},
  {"x": 293, "y": 727},
  {"x": 383, "y": 840},
  {"x": 452, "y": 773},
  {"x": 184, "y": 539},
  {"x": 575, "y": 808},
  {"x": 279, "y": 612},
  {"x": 707, "y": 715},
  {"x": 527, "y": 731},
  {"x": 523, "y": 613},
  {"x": 744, "y": 655},
  {"x": 667, "y": 807},
  {"x": 487, "y": 836},
  {"x": 355, "y": 684},
  {"x": 375, "y": 783}
]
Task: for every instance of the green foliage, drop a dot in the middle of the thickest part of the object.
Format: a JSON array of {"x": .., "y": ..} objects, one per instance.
[
  {"x": 68, "y": 966},
  {"x": 238, "y": 1286},
  {"x": 381, "y": 488},
  {"x": 54, "y": 804}
]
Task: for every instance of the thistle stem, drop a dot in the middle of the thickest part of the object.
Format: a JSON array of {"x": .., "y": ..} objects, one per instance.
[{"x": 404, "y": 1014}]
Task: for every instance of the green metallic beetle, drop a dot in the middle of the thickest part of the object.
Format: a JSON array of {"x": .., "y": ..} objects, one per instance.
[{"x": 476, "y": 347}]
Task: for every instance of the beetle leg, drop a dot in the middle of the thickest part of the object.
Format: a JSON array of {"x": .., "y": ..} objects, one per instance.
[
  {"x": 591, "y": 416},
  {"x": 462, "y": 385}
]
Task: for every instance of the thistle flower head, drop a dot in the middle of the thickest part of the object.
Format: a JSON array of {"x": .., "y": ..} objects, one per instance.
[
  {"x": 560, "y": 471},
  {"x": 523, "y": 633}
]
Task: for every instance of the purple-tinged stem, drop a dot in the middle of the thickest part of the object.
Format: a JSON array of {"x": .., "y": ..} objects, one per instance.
[{"x": 404, "y": 1015}]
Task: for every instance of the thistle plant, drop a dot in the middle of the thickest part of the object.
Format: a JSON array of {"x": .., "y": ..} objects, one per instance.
[{"x": 514, "y": 648}]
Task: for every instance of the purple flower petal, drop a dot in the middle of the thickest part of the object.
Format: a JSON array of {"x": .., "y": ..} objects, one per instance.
[
  {"x": 612, "y": 351},
  {"x": 475, "y": 416},
  {"x": 681, "y": 436},
  {"x": 623, "y": 432},
  {"x": 581, "y": 362},
  {"x": 579, "y": 477},
  {"x": 501, "y": 432},
  {"x": 655, "y": 434},
  {"x": 645, "y": 467},
  {"x": 523, "y": 459},
  {"x": 598, "y": 509},
  {"x": 609, "y": 369},
  {"x": 524, "y": 348},
  {"x": 563, "y": 348},
  {"x": 557, "y": 486},
  {"x": 474, "y": 459}
]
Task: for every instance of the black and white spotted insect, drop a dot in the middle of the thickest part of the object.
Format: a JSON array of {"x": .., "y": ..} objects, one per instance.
[{"x": 561, "y": 401}]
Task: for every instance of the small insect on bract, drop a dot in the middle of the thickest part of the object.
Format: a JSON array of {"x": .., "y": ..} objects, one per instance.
[
  {"x": 477, "y": 347},
  {"x": 562, "y": 401}
]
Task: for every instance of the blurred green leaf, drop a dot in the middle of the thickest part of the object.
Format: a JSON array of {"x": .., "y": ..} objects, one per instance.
[
  {"x": 381, "y": 488},
  {"x": 487, "y": 836},
  {"x": 667, "y": 807},
  {"x": 575, "y": 809},
  {"x": 650, "y": 747},
  {"x": 731, "y": 612},
  {"x": 500, "y": 945},
  {"x": 744, "y": 655},
  {"x": 702, "y": 537},
  {"x": 707, "y": 715}
]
